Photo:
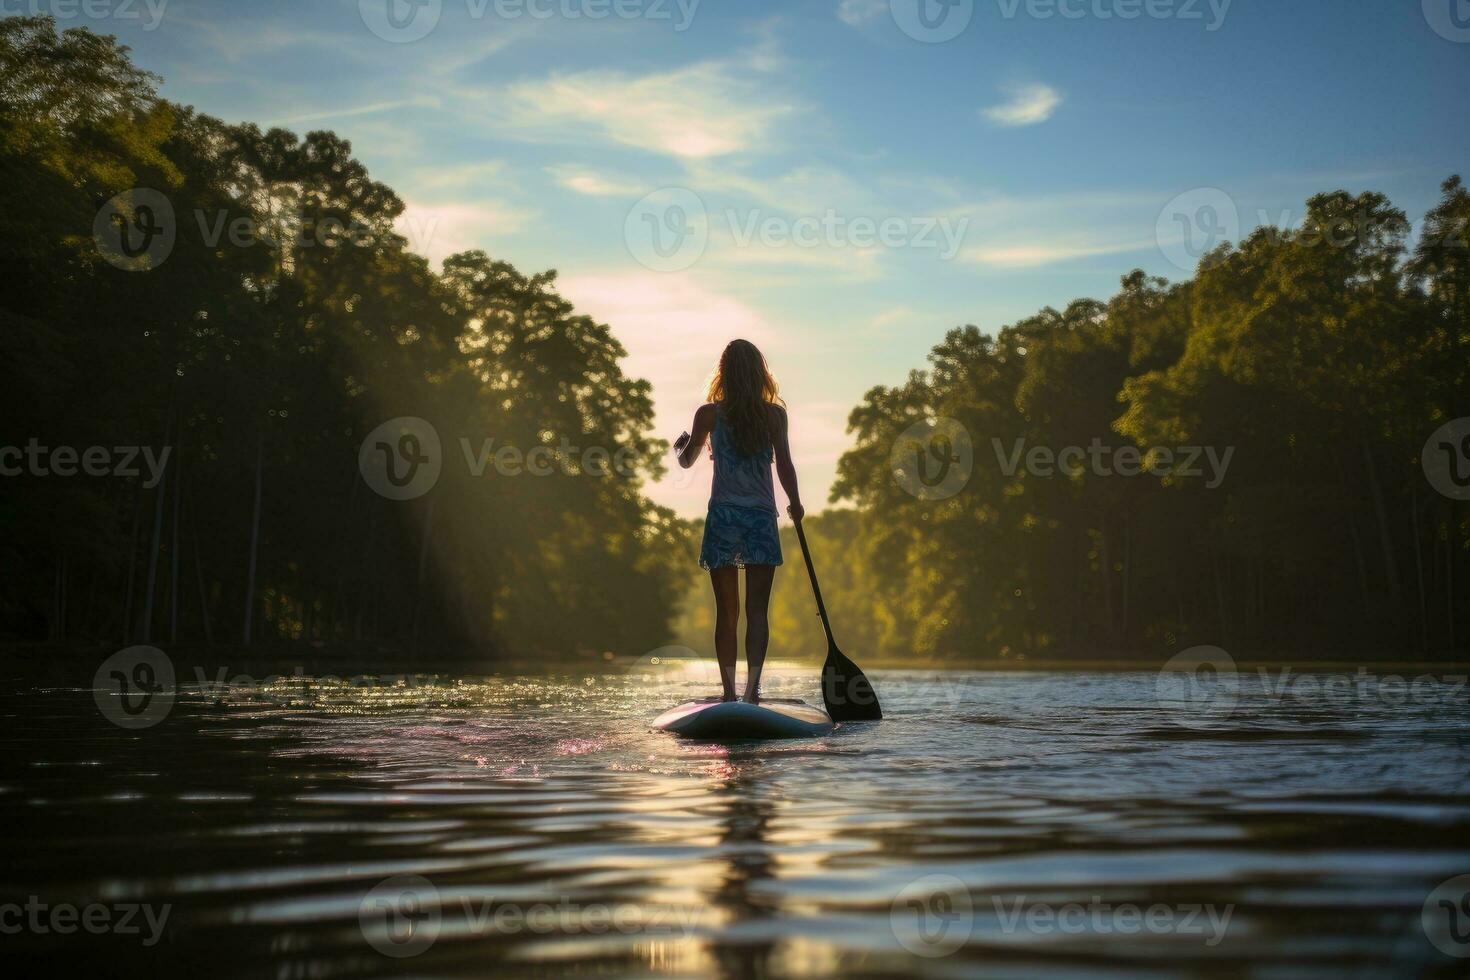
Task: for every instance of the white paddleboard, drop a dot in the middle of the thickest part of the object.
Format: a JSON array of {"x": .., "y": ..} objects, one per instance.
[{"x": 714, "y": 720}]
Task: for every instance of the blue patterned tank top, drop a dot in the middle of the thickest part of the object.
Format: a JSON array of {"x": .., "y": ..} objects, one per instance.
[{"x": 740, "y": 480}]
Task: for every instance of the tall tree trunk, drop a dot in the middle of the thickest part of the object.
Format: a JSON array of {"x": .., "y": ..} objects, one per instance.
[
  {"x": 127, "y": 623},
  {"x": 1127, "y": 567},
  {"x": 1261, "y": 589},
  {"x": 158, "y": 491},
  {"x": 1080, "y": 549},
  {"x": 199, "y": 575},
  {"x": 58, "y": 601},
  {"x": 84, "y": 621},
  {"x": 1419, "y": 572},
  {"x": 173, "y": 577},
  {"x": 370, "y": 580},
  {"x": 1449, "y": 573},
  {"x": 1385, "y": 535},
  {"x": 336, "y": 602},
  {"x": 1220, "y": 597},
  {"x": 418, "y": 597},
  {"x": 254, "y": 543},
  {"x": 1107, "y": 577},
  {"x": 1359, "y": 558}
]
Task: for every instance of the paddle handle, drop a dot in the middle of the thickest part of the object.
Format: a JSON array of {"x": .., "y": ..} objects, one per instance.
[{"x": 816, "y": 589}]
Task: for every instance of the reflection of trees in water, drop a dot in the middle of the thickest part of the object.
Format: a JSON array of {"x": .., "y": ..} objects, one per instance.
[{"x": 746, "y": 818}]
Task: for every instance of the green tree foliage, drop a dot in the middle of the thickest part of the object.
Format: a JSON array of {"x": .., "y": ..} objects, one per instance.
[
  {"x": 1322, "y": 356},
  {"x": 264, "y": 363}
]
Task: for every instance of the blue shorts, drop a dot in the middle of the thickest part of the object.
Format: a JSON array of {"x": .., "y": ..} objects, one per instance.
[{"x": 739, "y": 536}]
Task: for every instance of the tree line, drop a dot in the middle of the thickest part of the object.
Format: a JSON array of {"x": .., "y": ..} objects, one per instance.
[
  {"x": 262, "y": 332},
  {"x": 1317, "y": 360},
  {"x": 284, "y": 322}
]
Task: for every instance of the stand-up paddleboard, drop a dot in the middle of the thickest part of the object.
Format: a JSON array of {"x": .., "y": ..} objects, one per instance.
[{"x": 714, "y": 720}]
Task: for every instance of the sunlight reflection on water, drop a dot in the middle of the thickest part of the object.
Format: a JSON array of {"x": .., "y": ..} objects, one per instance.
[{"x": 552, "y": 829}]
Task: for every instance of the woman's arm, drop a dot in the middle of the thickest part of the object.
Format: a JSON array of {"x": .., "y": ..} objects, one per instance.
[
  {"x": 704, "y": 424},
  {"x": 785, "y": 469}
]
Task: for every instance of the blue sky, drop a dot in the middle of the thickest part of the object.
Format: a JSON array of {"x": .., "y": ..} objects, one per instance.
[{"x": 1031, "y": 159}]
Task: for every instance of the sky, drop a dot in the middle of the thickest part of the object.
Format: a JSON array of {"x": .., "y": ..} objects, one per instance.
[{"x": 840, "y": 181}]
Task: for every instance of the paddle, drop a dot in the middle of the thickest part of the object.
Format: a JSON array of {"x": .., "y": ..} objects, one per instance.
[{"x": 845, "y": 691}]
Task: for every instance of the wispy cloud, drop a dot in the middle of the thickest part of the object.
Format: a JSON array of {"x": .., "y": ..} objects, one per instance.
[
  {"x": 261, "y": 42},
  {"x": 422, "y": 102},
  {"x": 837, "y": 263},
  {"x": 803, "y": 190},
  {"x": 458, "y": 176},
  {"x": 1029, "y": 105},
  {"x": 702, "y": 111},
  {"x": 595, "y": 183},
  {"x": 1031, "y": 255},
  {"x": 894, "y": 316},
  {"x": 438, "y": 230},
  {"x": 855, "y": 12}
]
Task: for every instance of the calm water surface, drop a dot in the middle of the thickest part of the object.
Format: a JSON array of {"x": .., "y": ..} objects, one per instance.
[{"x": 993, "y": 824}]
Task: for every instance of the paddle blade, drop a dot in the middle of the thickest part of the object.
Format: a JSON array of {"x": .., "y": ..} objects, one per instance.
[{"x": 845, "y": 690}]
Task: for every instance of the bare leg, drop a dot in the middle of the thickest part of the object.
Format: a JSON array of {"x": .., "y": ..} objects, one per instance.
[
  {"x": 758, "y": 580},
  {"x": 726, "y": 582}
]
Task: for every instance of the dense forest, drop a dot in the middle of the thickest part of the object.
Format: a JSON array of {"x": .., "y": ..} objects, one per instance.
[
  {"x": 1319, "y": 358},
  {"x": 264, "y": 361}
]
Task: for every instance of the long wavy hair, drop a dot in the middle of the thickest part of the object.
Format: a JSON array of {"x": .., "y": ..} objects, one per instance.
[{"x": 742, "y": 386}]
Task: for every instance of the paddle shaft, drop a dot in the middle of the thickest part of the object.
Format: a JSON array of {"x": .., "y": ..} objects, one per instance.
[{"x": 816, "y": 589}]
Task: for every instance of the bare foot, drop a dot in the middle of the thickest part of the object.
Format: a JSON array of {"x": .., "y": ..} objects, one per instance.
[
  {"x": 729, "y": 696},
  {"x": 750, "y": 698}
]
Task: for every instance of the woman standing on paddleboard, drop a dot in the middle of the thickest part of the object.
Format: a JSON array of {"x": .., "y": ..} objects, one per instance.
[{"x": 745, "y": 422}]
